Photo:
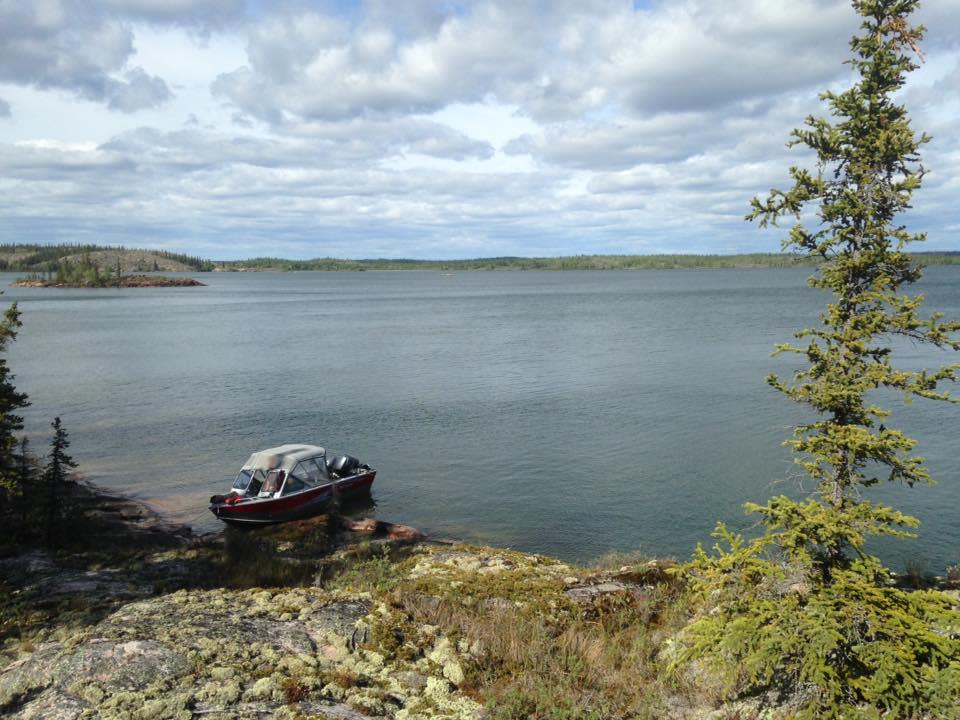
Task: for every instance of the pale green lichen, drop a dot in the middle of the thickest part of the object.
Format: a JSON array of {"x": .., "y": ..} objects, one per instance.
[
  {"x": 444, "y": 655},
  {"x": 90, "y": 692},
  {"x": 262, "y": 689},
  {"x": 139, "y": 706},
  {"x": 276, "y": 647},
  {"x": 369, "y": 701},
  {"x": 220, "y": 692},
  {"x": 222, "y": 673}
]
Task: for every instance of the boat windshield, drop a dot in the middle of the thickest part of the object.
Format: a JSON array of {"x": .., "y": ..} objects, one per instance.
[
  {"x": 243, "y": 480},
  {"x": 248, "y": 481}
]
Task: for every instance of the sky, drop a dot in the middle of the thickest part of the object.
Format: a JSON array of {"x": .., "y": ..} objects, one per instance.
[{"x": 240, "y": 128}]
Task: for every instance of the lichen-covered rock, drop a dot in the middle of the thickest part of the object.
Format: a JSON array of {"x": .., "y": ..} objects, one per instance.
[
  {"x": 167, "y": 625},
  {"x": 27, "y": 675},
  {"x": 170, "y": 705},
  {"x": 589, "y": 593},
  {"x": 332, "y": 712},
  {"x": 103, "y": 668},
  {"x": 340, "y": 618},
  {"x": 127, "y": 665},
  {"x": 39, "y": 574},
  {"x": 52, "y": 704},
  {"x": 337, "y": 651}
]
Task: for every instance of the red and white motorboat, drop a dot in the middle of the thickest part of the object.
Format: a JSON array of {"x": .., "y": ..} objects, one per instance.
[{"x": 290, "y": 482}]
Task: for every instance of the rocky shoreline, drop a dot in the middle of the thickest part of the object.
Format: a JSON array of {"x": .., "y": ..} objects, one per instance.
[
  {"x": 127, "y": 281},
  {"x": 138, "y": 618},
  {"x": 329, "y": 618}
]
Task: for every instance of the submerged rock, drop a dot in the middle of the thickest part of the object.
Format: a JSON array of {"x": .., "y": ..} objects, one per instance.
[{"x": 381, "y": 529}]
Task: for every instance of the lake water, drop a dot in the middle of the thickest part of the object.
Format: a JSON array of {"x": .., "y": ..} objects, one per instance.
[{"x": 567, "y": 413}]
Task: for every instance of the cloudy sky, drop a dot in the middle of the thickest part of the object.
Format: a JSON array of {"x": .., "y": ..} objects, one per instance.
[{"x": 430, "y": 129}]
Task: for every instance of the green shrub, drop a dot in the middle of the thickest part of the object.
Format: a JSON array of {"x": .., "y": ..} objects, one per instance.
[{"x": 840, "y": 644}]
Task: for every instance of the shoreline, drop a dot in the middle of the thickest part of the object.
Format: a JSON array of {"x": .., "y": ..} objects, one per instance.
[
  {"x": 351, "y": 619},
  {"x": 138, "y": 521},
  {"x": 127, "y": 281},
  {"x": 342, "y": 618}
]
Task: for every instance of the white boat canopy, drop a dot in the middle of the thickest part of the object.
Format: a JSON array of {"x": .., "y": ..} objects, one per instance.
[{"x": 284, "y": 457}]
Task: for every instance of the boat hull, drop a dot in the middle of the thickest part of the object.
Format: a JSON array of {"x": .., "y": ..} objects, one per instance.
[{"x": 266, "y": 511}]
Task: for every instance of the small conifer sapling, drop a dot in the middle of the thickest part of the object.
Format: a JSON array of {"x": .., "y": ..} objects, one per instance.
[{"x": 55, "y": 475}]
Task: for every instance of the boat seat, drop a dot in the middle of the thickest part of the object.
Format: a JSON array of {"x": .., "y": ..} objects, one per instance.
[{"x": 272, "y": 483}]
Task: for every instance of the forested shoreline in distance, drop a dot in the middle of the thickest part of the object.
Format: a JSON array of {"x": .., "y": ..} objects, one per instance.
[
  {"x": 49, "y": 258},
  {"x": 573, "y": 262}
]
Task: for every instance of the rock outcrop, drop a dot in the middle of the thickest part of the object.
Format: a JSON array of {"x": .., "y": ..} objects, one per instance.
[
  {"x": 225, "y": 653},
  {"x": 322, "y": 618}
]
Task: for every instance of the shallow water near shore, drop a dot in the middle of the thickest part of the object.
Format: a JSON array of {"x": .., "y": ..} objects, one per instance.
[{"x": 567, "y": 413}]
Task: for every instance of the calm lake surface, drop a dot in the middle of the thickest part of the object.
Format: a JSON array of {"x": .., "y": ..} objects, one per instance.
[{"x": 570, "y": 413}]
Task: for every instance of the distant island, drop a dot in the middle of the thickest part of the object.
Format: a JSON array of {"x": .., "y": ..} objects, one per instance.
[
  {"x": 46, "y": 261},
  {"x": 90, "y": 266},
  {"x": 124, "y": 281},
  {"x": 19, "y": 257}
]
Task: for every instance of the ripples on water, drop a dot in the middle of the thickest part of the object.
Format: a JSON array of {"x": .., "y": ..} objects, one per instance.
[{"x": 567, "y": 413}]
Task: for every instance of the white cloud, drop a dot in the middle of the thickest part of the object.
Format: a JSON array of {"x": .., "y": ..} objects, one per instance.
[
  {"x": 67, "y": 46},
  {"x": 429, "y": 129},
  {"x": 697, "y": 55},
  {"x": 315, "y": 67}
]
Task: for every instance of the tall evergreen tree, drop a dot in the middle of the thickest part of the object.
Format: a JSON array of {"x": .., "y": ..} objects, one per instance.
[
  {"x": 11, "y": 402},
  {"x": 55, "y": 474},
  {"x": 805, "y": 609}
]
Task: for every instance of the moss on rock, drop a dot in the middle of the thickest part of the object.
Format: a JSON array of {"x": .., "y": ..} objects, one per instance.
[{"x": 412, "y": 631}]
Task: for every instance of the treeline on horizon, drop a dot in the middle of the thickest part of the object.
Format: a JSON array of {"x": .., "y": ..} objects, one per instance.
[
  {"x": 574, "y": 262},
  {"x": 46, "y": 258}
]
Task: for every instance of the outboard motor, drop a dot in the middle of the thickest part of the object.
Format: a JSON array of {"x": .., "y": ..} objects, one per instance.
[{"x": 343, "y": 466}]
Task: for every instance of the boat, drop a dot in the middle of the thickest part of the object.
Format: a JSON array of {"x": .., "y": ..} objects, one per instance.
[{"x": 290, "y": 482}]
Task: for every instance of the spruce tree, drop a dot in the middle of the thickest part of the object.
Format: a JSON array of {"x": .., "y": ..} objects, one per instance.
[
  {"x": 20, "y": 500},
  {"x": 805, "y": 610},
  {"x": 55, "y": 474},
  {"x": 11, "y": 401}
]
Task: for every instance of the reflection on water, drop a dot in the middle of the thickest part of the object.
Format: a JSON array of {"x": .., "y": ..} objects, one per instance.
[
  {"x": 567, "y": 413},
  {"x": 358, "y": 504}
]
